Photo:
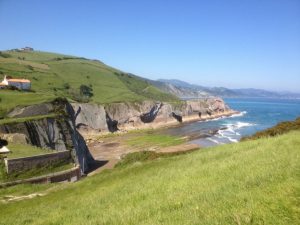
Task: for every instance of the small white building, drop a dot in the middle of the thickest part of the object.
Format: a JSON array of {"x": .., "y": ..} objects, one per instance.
[
  {"x": 4, "y": 150},
  {"x": 22, "y": 84},
  {"x": 27, "y": 49}
]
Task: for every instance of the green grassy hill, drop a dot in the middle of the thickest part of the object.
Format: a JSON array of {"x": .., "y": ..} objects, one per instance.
[
  {"x": 54, "y": 75},
  {"x": 252, "y": 182}
]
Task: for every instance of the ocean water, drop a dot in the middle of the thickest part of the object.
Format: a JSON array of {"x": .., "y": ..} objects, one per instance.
[{"x": 255, "y": 115}]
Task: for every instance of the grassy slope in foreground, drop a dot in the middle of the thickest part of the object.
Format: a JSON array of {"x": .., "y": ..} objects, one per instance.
[
  {"x": 254, "y": 182},
  {"x": 54, "y": 75}
]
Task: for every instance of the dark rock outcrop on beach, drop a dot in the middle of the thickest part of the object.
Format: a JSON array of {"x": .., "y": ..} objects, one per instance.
[{"x": 150, "y": 116}]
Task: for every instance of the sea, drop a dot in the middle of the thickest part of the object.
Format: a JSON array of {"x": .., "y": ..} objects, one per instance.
[{"x": 256, "y": 114}]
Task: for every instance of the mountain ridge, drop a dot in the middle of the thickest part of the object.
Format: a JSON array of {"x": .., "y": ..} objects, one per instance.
[{"x": 184, "y": 89}]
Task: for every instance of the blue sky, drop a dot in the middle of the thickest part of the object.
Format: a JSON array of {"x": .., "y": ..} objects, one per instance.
[{"x": 231, "y": 43}]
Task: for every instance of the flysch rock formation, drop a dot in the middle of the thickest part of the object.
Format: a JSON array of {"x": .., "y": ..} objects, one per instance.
[
  {"x": 148, "y": 114},
  {"x": 57, "y": 133},
  {"x": 71, "y": 122}
]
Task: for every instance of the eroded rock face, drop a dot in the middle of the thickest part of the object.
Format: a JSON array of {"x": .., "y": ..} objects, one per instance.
[
  {"x": 58, "y": 133},
  {"x": 90, "y": 116},
  {"x": 149, "y": 117},
  {"x": 16, "y": 138},
  {"x": 61, "y": 133},
  {"x": 32, "y": 110},
  {"x": 136, "y": 115}
]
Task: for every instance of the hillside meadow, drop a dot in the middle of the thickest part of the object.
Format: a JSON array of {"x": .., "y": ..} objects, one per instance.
[
  {"x": 55, "y": 75},
  {"x": 252, "y": 182}
]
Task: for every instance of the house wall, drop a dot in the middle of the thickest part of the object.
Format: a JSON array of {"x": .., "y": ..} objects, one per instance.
[{"x": 20, "y": 85}]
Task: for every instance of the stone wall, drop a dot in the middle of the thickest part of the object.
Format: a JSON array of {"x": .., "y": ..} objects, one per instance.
[
  {"x": 28, "y": 163},
  {"x": 70, "y": 175}
]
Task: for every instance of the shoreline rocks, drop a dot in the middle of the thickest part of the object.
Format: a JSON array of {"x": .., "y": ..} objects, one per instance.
[{"x": 93, "y": 118}]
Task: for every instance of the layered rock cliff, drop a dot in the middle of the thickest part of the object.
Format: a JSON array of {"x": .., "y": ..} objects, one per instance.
[
  {"x": 57, "y": 132},
  {"x": 126, "y": 116},
  {"x": 59, "y": 125}
]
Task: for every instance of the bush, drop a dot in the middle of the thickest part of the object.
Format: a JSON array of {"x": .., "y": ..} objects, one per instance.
[
  {"x": 66, "y": 86},
  {"x": 30, "y": 67},
  {"x": 84, "y": 94},
  {"x": 86, "y": 91},
  {"x": 5, "y": 55}
]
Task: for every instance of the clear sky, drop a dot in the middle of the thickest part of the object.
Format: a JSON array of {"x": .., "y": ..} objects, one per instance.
[{"x": 231, "y": 43}]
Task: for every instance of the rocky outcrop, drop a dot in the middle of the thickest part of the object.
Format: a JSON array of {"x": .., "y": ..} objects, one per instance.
[
  {"x": 150, "y": 116},
  {"x": 32, "y": 110},
  {"x": 60, "y": 132},
  {"x": 15, "y": 138},
  {"x": 126, "y": 116},
  {"x": 57, "y": 133},
  {"x": 90, "y": 116}
]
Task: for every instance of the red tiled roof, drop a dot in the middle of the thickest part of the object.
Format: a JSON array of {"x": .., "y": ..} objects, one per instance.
[{"x": 18, "y": 80}]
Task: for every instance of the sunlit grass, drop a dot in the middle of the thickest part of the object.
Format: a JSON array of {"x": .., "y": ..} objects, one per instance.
[{"x": 253, "y": 182}]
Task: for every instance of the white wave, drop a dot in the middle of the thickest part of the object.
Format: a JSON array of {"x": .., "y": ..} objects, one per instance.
[
  {"x": 237, "y": 125},
  {"x": 218, "y": 118},
  {"x": 239, "y": 114},
  {"x": 230, "y": 132},
  {"x": 215, "y": 141},
  {"x": 243, "y": 124},
  {"x": 232, "y": 139}
]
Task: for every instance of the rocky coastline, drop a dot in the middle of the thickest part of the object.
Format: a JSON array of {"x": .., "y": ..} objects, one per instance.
[
  {"x": 60, "y": 125},
  {"x": 93, "y": 119}
]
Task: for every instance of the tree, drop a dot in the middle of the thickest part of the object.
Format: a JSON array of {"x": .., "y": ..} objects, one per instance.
[{"x": 86, "y": 91}]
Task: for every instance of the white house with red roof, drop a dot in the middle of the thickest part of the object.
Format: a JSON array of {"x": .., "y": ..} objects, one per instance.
[{"x": 22, "y": 84}]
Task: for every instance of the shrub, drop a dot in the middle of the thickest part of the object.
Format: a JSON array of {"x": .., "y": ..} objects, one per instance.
[
  {"x": 66, "y": 86},
  {"x": 30, "y": 67},
  {"x": 83, "y": 94},
  {"x": 5, "y": 55},
  {"x": 86, "y": 91}
]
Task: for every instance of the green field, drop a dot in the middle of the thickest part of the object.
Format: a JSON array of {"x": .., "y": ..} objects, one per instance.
[
  {"x": 151, "y": 139},
  {"x": 54, "y": 75},
  {"x": 23, "y": 150},
  {"x": 252, "y": 182}
]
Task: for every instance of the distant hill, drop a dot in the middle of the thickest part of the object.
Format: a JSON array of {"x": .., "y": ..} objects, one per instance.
[
  {"x": 183, "y": 89},
  {"x": 56, "y": 75}
]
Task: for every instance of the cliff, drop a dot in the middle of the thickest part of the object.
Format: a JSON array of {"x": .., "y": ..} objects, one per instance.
[
  {"x": 60, "y": 125},
  {"x": 55, "y": 132},
  {"x": 126, "y": 116}
]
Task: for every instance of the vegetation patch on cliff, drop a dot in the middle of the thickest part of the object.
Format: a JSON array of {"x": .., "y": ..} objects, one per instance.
[
  {"x": 24, "y": 119},
  {"x": 254, "y": 182}
]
